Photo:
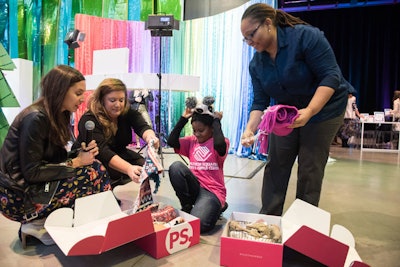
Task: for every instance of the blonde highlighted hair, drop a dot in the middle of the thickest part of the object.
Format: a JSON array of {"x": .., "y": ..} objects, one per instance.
[{"x": 96, "y": 104}]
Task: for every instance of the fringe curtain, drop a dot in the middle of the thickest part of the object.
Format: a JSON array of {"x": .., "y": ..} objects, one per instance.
[
  {"x": 208, "y": 47},
  {"x": 211, "y": 48}
]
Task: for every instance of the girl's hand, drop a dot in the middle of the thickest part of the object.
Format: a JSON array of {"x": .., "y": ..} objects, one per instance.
[
  {"x": 218, "y": 114},
  {"x": 187, "y": 113}
]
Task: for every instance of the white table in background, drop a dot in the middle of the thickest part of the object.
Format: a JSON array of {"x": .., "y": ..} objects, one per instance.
[{"x": 393, "y": 133}]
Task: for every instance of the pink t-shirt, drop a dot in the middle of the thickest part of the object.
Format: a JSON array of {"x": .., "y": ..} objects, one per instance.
[{"x": 206, "y": 164}]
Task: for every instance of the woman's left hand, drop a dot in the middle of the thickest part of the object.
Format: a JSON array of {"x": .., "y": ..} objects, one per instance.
[
  {"x": 156, "y": 142},
  {"x": 305, "y": 115},
  {"x": 88, "y": 153},
  {"x": 88, "y": 147}
]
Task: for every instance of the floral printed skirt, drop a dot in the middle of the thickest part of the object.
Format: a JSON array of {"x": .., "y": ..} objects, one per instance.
[{"x": 88, "y": 180}]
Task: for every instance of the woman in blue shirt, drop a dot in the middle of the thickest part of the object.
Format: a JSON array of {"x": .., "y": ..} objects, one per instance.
[{"x": 294, "y": 64}]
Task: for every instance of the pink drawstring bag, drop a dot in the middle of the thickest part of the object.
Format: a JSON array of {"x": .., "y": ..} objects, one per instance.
[{"x": 276, "y": 119}]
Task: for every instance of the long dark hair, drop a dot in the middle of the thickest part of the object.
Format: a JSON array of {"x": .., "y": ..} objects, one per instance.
[
  {"x": 260, "y": 11},
  {"x": 396, "y": 95},
  {"x": 54, "y": 87}
]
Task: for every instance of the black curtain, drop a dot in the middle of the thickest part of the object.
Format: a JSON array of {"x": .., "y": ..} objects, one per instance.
[{"x": 366, "y": 41}]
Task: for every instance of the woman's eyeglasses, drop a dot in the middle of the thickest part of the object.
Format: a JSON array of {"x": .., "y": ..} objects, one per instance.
[{"x": 250, "y": 37}]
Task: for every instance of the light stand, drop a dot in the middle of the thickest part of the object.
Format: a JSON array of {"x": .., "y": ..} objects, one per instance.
[
  {"x": 161, "y": 25},
  {"x": 71, "y": 39}
]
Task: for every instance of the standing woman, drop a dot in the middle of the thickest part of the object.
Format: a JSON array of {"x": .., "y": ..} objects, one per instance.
[
  {"x": 37, "y": 174},
  {"x": 109, "y": 109},
  {"x": 294, "y": 65}
]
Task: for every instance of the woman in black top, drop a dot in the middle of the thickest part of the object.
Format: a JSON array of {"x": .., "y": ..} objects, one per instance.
[
  {"x": 114, "y": 120},
  {"x": 37, "y": 173}
]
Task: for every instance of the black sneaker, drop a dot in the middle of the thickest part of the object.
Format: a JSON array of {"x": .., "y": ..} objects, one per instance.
[{"x": 187, "y": 208}]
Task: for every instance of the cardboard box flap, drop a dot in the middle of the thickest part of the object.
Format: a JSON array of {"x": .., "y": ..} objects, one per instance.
[
  {"x": 302, "y": 213},
  {"x": 318, "y": 247},
  {"x": 343, "y": 235},
  {"x": 130, "y": 229},
  {"x": 359, "y": 264},
  {"x": 63, "y": 217},
  {"x": 95, "y": 207},
  {"x": 108, "y": 227}
]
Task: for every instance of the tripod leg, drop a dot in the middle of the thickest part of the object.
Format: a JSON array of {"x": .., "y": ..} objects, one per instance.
[
  {"x": 183, "y": 159},
  {"x": 162, "y": 158}
]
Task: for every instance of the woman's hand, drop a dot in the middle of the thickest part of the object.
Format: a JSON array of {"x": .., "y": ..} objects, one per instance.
[
  {"x": 134, "y": 172},
  {"x": 305, "y": 115},
  {"x": 247, "y": 138},
  {"x": 90, "y": 146},
  {"x": 87, "y": 154},
  {"x": 150, "y": 137}
]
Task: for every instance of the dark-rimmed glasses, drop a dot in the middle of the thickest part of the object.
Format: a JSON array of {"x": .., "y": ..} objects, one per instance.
[{"x": 250, "y": 37}]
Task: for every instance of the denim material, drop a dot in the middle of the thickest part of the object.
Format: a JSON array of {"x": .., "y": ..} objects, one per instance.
[{"x": 206, "y": 205}]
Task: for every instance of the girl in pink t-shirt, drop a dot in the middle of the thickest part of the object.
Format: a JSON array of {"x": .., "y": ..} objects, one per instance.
[{"x": 200, "y": 186}]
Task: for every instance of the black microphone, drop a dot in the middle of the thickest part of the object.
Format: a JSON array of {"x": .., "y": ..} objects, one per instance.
[{"x": 89, "y": 126}]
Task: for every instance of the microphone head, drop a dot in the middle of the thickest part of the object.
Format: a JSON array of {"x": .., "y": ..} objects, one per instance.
[{"x": 89, "y": 125}]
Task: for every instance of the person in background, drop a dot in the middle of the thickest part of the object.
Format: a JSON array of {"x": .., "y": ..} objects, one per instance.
[
  {"x": 37, "y": 173},
  {"x": 294, "y": 65},
  {"x": 351, "y": 125},
  {"x": 396, "y": 106},
  {"x": 139, "y": 101},
  {"x": 200, "y": 187},
  {"x": 114, "y": 120}
]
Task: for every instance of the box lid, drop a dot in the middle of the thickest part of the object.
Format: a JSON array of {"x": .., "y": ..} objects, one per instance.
[{"x": 98, "y": 225}]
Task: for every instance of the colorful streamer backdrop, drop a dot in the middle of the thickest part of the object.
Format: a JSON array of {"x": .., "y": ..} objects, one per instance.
[{"x": 208, "y": 47}]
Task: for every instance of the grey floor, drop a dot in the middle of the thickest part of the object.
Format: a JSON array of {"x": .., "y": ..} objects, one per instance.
[{"x": 361, "y": 191}]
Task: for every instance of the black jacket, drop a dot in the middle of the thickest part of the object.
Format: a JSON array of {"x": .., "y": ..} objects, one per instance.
[
  {"x": 27, "y": 156},
  {"x": 116, "y": 145}
]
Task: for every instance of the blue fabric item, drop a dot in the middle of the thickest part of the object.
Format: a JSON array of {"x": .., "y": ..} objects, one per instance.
[{"x": 304, "y": 61}]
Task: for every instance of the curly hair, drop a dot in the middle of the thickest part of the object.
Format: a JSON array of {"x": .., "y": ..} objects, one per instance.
[{"x": 204, "y": 118}]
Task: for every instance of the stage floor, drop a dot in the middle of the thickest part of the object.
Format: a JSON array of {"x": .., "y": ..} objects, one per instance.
[{"x": 361, "y": 190}]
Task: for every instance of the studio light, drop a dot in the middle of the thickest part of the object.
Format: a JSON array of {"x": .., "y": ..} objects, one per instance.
[
  {"x": 161, "y": 25},
  {"x": 73, "y": 37}
]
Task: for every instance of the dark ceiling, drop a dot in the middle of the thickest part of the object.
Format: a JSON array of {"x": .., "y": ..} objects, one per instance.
[{"x": 303, "y": 5}]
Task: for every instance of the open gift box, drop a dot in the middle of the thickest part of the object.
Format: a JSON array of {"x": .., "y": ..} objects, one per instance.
[
  {"x": 96, "y": 225},
  {"x": 306, "y": 241},
  {"x": 166, "y": 241}
]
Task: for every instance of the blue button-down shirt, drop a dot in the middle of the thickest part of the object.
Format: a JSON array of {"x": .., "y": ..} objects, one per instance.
[{"x": 304, "y": 61}]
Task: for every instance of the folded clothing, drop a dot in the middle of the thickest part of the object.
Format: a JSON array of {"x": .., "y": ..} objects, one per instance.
[
  {"x": 165, "y": 214},
  {"x": 276, "y": 120}
]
